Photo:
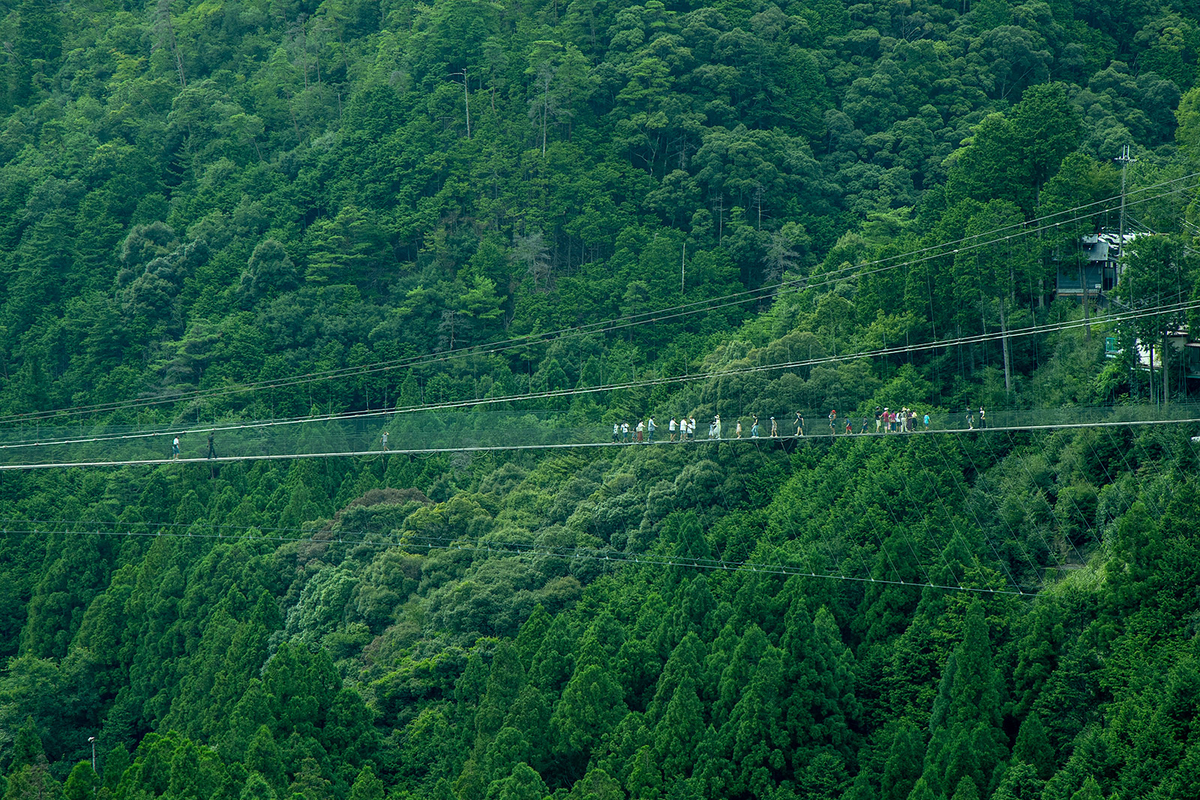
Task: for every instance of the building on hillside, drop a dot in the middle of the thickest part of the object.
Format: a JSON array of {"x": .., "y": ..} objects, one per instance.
[
  {"x": 1101, "y": 269},
  {"x": 1184, "y": 356}
]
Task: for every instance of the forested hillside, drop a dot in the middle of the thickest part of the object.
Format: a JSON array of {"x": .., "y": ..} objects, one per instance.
[{"x": 215, "y": 212}]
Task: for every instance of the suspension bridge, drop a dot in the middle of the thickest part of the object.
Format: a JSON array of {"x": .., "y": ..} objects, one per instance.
[{"x": 417, "y": 432}]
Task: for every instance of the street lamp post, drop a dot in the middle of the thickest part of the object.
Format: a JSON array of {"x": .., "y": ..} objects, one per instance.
[{"x": 92, "y": 739}]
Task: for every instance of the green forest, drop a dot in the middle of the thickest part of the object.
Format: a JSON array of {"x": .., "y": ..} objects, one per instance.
[{"x": 217, "y": 212}]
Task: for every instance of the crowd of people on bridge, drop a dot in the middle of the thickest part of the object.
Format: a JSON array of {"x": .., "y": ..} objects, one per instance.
[
  {"x": 887, "y": 421},
  {"x": 683, "y": 428}
]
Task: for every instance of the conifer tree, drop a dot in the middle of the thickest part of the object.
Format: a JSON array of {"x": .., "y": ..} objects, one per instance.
[
  {"x": 903, "y": 766},
  {"x": 1033, "y": 747},
  {"x": 967, "y": 740}
]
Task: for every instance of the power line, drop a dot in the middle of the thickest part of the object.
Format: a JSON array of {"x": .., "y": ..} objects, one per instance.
[
  {"x": 858, "y": 271},
  {"x": 645, "y": 383},
  {"x": 503, "y": 548}
]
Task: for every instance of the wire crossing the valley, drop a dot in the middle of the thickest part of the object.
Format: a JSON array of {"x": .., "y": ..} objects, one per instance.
[{"x": 479, "y": 431}]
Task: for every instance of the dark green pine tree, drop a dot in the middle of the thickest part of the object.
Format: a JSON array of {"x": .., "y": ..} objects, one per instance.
[
  {"x": 686, "y": 663},
  {"x": 1033, "y": 747},
  {"x": 679, "y": 734},
  {"x": 1184, "y": 780},
  {"x": 470, "y": 686},
  {"x": 754, "y": 740},
  {"x": 1038, "y": 651},
  {"x": 592, "y": 704},
  {"x": 504, "y": 684},
  {"x": 529, "y": 638},
  {"x": 903, "y": 765},
  {"x": 825, "y": 777},
  {"x": 967, "y": 739},
  {"x": 523, "y": 784},
  {"x": 645, "y": 781},
  {"x": 1092, "y": 758},
  {"x": 82, "y": 783},
  {"x": 1091, "y": 791},
  {"x": 1020, "y": 782},
  {"x": 736, "y": 669},
  {"x": 27, "y": 748},
  {"x": 505, "y": 751},
  {"x": 115, "y": 764},
  {"x": 1133, "y": 571},
  {"x": 597, "y": 785},
  {"x": 966, "y": 789},
  {"x": 32, "y": 783},
  {"x": 257, "y": 788},
  {"x": 263, "y": 757},
  {"x": 367, "y": 786},
  {"x": 530, "y": 714},
  {"x": 820, "y": 708},
  {"x": 555, "y": 659}
]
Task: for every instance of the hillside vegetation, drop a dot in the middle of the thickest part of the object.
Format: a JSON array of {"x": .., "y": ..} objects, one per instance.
[{"x": 198, "y": 197}]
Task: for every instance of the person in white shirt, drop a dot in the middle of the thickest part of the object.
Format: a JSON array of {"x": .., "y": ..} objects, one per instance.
[{"x": 671, "y": 429}]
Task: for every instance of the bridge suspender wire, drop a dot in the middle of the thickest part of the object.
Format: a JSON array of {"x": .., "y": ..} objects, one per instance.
[
  {"x": 866, "y": 269},
  {"x": 1059, "y": 563},
  {"x": 362, "y": 538},
  {"x": 41, "y": 441}
]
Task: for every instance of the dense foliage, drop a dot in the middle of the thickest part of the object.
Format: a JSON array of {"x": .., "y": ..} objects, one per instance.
[{"x": 200, "y": 194}]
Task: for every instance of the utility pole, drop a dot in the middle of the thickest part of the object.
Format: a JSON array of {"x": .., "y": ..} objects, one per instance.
[
  {"x": 682, "y": 269},
  {"x": 163, "y": 23},
  {"x": 1125, "y": 160},
  {"x": 466, "y": 97}
]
